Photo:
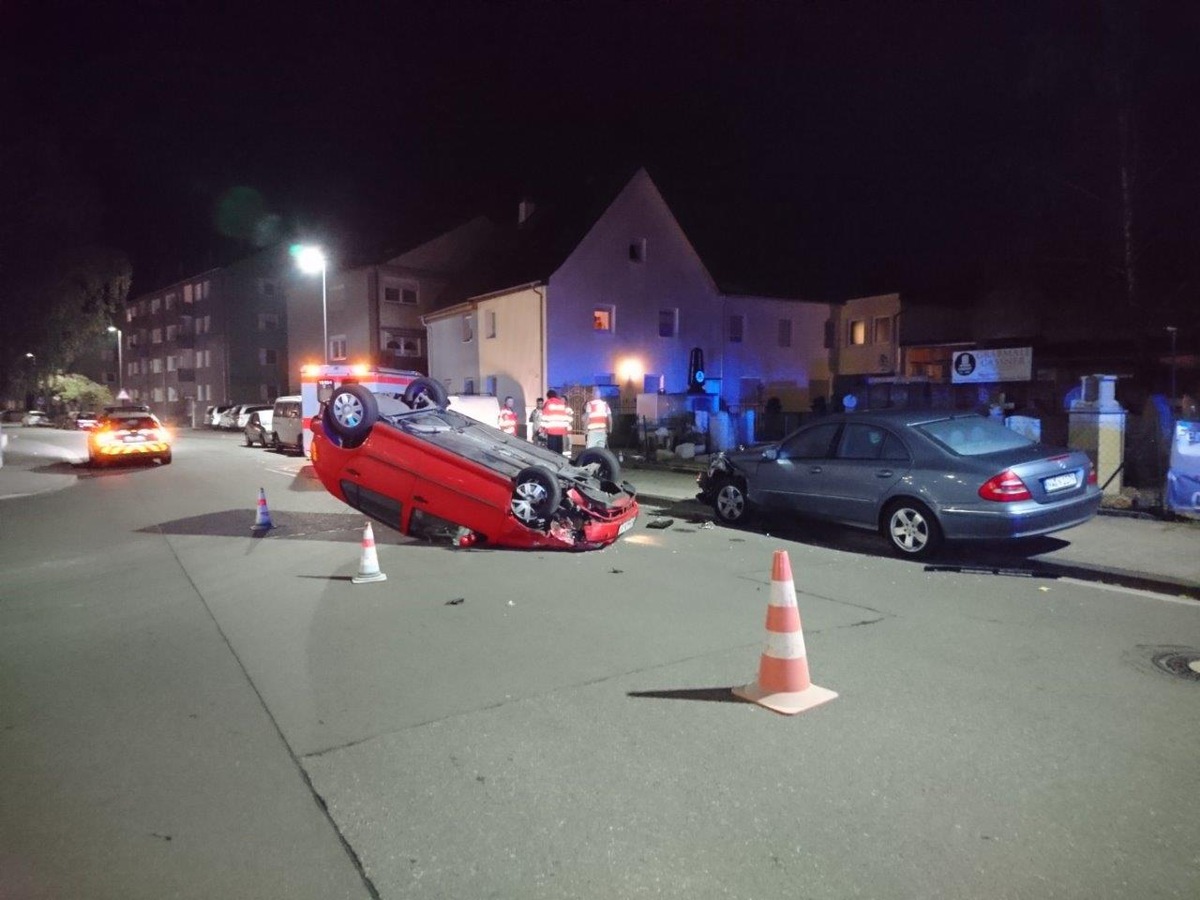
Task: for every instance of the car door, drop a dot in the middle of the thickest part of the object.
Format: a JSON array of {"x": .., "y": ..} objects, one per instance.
[
  {"x": 789, "y": 478},
  {"x": 868, "y": 461}
]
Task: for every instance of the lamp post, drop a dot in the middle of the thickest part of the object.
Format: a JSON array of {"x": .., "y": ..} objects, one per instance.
[
  {"x": 1171, "y": 329},
  {"x": 120, "y": 363},
  {"x": 32, "y": 357},
  {"x": 311, "y": 260}
]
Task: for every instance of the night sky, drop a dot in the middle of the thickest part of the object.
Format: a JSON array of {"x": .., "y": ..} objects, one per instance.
[{"x": 844, "y": 146}]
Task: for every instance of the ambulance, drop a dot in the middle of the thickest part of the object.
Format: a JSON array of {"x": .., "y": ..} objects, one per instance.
[{"x": 318, "y": 382}]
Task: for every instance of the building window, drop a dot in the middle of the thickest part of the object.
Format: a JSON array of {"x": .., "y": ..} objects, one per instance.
[
  {"x": 156, "y": 366},
  {"x": 170, "y": 302},
  {"x": 172, "y": 393},
  {"x": 172, "y": 363},
  {"x": 394, "y": 292},
  {"x": 155, "y": 304},
  {"x": 131, "y": 368},
  {"x": 737, "y": 327},
  {"x": 268, "y": 321},
  {"x": 187, "y": 294},
  {"x": 157, "y": 395},
  {"x": 206, "y": 285},
  {"x": 130, "y": 313},
  {"x": 156, "y": 336},
  {"x": 337, "y": 347},
  {"x": 468, "y": 329},
  {"x": 668, "y": 322},
  {"x": 172, "y": 332},
  {"x": 602, "y": 318},
  {"x": 490, "y": 323},
  {"x": 785, "y": 333},
  {"x": 269, "y": 357},
  {"x": 883, "y": 330},
  {"x": 637, "y": 250},
  {"x": 856, "y": 332}
]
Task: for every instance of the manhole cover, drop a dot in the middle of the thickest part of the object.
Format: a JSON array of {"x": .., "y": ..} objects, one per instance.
[{"x": 1180, "y": 663}]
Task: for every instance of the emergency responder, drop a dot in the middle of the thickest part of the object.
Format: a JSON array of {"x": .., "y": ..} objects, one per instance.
[
  {"x": 508, "y": 417},
  {"x": 536, "y": 433},
  {"x": 598, "y": 420},
  {"x": 556, "y": 421}
]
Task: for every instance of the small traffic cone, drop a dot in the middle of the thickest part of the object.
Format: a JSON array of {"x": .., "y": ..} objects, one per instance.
[
  {"x": 783, "y": 683},
  {"x": 262, "y": 521},
  {"x": 368, "y": 567}
]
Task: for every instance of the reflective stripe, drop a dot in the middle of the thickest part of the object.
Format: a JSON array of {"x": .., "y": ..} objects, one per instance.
[
  {"x": 785, "y": 646},
  {"x": 596, "y": 413}
]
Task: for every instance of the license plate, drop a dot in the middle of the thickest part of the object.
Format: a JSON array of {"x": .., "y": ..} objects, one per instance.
[
  {"x": 1060, "y": 482},
  {"x": 134, "y": 438},
  {"x": 625, "y": 526}
]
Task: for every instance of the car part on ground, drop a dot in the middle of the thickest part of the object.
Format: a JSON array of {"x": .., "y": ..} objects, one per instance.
[
  {"x": 919, "y": 477},
  {"x": 406, "y": 461}
]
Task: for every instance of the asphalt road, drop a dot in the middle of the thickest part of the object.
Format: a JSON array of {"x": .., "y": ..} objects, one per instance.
[{"x": 189, "y": 711}]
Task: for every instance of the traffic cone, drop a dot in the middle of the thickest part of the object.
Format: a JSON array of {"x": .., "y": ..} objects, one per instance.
[
  {"x": 368, "y": 567},
  {"x": 783, "y": 683},
  {"x": 262, "y": 521}
]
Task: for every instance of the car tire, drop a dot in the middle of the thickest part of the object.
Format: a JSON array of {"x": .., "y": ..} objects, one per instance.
[
  {"x": 249, "y": 440},
  {"x": 166, "y": 458},
  {"x": 350, "y": 414},
  {"x": 911, "y": 529},
  {"x": 536, "y": 495},
  {"x": 609, "y": 469},
  {"x": 424, "y": 392},
  {"x": 730, "y": 502},
  {"x": 274, "y": 441}
]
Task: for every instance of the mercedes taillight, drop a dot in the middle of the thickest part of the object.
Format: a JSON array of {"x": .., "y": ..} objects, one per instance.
[{"x": 1006, "y": 487}]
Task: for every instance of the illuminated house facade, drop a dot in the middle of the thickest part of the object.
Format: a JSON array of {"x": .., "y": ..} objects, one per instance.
[{"x": 610, "y": 291}]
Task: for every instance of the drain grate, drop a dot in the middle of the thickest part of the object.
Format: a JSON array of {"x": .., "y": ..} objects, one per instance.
[{"x": 1181, "y": 663}]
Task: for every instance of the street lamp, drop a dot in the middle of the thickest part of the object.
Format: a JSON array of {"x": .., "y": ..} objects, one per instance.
[
  {"x": 1171, "y": 329},
  {"x": 120, "y": 364},
  {"x": 311, "y": 260}
]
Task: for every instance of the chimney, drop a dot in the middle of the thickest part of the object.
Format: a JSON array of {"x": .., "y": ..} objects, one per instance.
[{"x": 524, "y": 210}]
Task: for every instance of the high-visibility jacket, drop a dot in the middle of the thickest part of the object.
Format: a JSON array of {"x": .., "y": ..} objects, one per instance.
[
  {"x": 596, "y": 415},
  {"x": 556, "y": 417},
  {"x": 508, "y": 420}
]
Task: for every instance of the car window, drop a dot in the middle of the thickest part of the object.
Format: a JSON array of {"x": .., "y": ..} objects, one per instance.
[
  {"x": 974, "y": 436},
  {"x": 863, "y": 441},
  {"x": 814, "y": 442}
]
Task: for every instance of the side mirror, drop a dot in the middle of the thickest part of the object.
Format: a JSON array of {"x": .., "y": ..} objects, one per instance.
[{"x": 771, "y": 453}]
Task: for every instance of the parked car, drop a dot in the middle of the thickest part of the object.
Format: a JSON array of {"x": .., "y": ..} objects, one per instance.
[
  {"x": 402, "y": 461},
  {"x": 82, "y": 421},
  {"x": 287, "y": 424},
  {"x": 917, "y": 476},
  {"x": 258, "y": 428},
  {"x": 227, "y": 420},
  {"x": 35, "y": 417},
  {"x": 129, "y": 437},
  {"x": 212, "y": 415},
  {"x": 245, "y": 412}
]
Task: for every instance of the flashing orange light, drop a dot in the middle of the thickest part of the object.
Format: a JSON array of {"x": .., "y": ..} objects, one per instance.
[
  {"x": 309, "y": 369},
  {"x": 360, "y": 369}
]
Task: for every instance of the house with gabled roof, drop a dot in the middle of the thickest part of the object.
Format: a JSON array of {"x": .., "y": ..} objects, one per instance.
[{"x": 607, "y": 289}]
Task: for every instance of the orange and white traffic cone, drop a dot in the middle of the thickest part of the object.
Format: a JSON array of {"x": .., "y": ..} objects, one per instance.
[
  {"x": 368, "y": 567},
  {"x": 783, "y": 682},
  {"x": 262, "y": 520}
]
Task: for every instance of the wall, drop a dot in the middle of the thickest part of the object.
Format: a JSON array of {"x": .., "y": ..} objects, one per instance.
[
  {"x": 795, "y": 374},
  {"x": 451, "y": 359},
  {"x": 514, "y": 355},
  {"x": 873, "y": 357}
]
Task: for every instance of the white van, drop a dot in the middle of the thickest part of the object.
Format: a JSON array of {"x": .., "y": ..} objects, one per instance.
[{"x": 287, "y": 425}]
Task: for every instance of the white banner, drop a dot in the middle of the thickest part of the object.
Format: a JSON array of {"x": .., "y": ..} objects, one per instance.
[{"x": 1005, "y": 364}]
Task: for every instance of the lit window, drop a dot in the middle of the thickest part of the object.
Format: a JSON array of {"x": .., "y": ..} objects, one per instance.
[
  {"x": 668, "y": 322},
  {"x": 785, "y": 333},
  {"x": 856, "y": 335},
  {"x": 602, "y": 318},
  {"x": 737, "y": 326}
]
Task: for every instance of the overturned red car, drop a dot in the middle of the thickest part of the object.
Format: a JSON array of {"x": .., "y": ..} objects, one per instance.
[{"x": 406, "y": 459}]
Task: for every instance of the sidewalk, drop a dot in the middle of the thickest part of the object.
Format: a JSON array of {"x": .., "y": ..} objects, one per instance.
[{"x": 1132, "y": 549}]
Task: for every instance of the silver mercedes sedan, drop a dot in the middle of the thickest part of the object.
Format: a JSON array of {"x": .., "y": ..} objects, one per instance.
[{"x": 918, "y": 476}]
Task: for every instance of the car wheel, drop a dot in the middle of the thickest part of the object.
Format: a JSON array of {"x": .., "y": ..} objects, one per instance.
[
  {"x": 274, "y": 441},
  {"x": 166, "y": 458},
  {"x": 349, "y": 414},
  {"x": 731, "y": 504},
  {"x": 608, "y": 468},
  {"x": 426, "y": 392},
  {"x": 249, "y": 440},
  {"x": 536, "y": 495},
  {"x": 911, "y": 529}
]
